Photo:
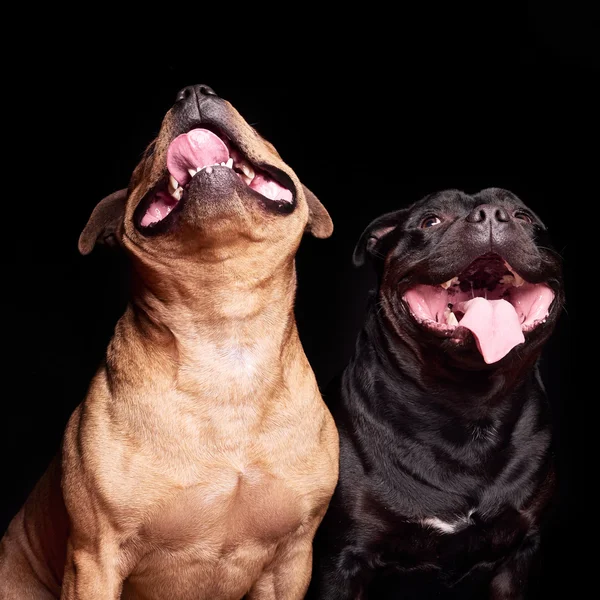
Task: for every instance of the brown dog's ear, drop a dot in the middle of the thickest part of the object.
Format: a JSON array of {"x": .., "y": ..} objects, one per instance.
[
  {"x": 319, "y": 221},
  {"x": 104, "y": 224},
  {"x": 369, "y": 241}
]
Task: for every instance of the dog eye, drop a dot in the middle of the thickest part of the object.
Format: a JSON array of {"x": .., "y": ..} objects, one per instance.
[
  {"x": 523, "y": 216},
  {"x": 430, "y": 222}
]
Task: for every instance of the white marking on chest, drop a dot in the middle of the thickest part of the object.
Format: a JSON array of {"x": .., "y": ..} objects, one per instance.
[
  {"x": 448, "y": 527},
  {"x": 227, "y": 362},
  {"x": 242, "y": 359}
]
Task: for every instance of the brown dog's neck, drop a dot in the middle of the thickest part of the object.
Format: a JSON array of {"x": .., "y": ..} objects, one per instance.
[
  {"x": 213, "y": 327},
  {"x": 213, "y": 297}
]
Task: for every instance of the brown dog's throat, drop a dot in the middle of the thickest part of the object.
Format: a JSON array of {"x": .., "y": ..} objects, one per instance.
[{"x": 234, "y": 336}]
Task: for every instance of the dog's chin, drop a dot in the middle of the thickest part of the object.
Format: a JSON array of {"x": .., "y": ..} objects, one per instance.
[
  {"x": 217, "y": 192},
  {"x": 206, "y": 173},
  {"x": 487, "y": 311}
]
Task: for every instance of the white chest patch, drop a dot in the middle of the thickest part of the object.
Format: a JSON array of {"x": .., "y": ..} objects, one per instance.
[
  {"x": 241, "y": 359},
  {"x": 448, "y": 526}
]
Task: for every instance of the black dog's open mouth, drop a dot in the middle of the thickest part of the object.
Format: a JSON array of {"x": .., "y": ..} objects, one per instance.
[
  {"x": 198, "y": 150},
  {"x": 489, "y": 299}
]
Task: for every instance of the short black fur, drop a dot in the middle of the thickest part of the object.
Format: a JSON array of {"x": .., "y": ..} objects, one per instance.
[{"x": 428, "y": 430}]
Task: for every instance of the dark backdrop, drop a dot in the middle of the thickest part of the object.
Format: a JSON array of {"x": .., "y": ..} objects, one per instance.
[{"x": 369, "y": 124}]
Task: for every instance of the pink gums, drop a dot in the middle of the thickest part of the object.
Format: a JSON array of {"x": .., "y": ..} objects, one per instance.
[
  {"x": 497, "y": 321},
  {"x": 195, "y": 150}
]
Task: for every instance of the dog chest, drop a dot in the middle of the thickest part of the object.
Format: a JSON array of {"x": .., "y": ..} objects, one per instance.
[
  {"x": 232, "y": 522},
  {"x": 230, "y": 506}
]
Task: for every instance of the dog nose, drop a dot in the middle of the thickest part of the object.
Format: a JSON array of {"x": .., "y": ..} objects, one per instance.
[
  {"x": 488, "y": 212},
  {"x": 199, "y": 90}
]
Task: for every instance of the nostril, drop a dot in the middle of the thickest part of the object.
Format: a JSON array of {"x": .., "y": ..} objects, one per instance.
[
  {"x": 476, "y": 216},
  {"x": 184, "y": 93},
  {"x": 501, "y": 215},
  {"x": 206, "y": 90}
]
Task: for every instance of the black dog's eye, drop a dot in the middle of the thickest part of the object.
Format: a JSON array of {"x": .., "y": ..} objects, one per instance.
[
  {"x": 523, "y": 216},
  {"x": 430, "y": 221}
]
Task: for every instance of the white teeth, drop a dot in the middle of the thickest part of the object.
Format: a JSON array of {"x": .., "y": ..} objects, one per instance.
[
  {"x": 173, "y": 185},
  {"x": 177, "y": 193},
  {"x": 247, "y": 170},
  {"x": 209, "y": 170},
  {"x": 519, "y": 281},
  {"x": 192, "y": 172},
  {"x": 229, "y": 163},
  {"x": 452, "y": 320},
  {"x": 447, "y": 284}
]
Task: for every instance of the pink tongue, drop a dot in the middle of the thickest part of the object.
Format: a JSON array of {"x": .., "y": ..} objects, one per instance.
[
  {"x": 495, "y": 325},
  {"x": 196, "y": 149},
  {"x": 159, "y": 208},
  {"x": 270, "y": 188}
]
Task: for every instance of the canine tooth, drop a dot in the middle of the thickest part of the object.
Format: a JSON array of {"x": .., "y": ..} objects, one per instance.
[
  {"x": 247, "y": 170},
  {"x": 519, "y": 281},
  {"x": 173, "y": 183},
  {"x": 229, "y": 163},
  {"x": 450, "y": 282},
  {"x": 177, "y": 193},
  {"x": 452, "y": 320}
]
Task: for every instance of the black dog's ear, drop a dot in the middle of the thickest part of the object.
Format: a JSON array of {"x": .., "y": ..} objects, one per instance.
[
  {"x": 373, "y": 234},
  {"x": 319, "y": 221},
  {"x": 104, "y": 224}
]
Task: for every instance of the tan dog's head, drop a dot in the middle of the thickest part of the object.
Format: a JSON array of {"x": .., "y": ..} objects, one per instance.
[{"x": 209, "y": 188}]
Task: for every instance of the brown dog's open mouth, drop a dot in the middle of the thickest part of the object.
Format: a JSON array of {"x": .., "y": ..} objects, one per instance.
[
  {"x": 489, "y": 299},
  {"x": 199, "y": 150}
]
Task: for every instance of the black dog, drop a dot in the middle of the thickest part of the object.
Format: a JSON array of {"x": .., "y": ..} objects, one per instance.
[{"x": 445, "y": 466}]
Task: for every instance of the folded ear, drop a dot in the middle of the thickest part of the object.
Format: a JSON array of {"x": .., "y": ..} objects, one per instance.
[
  {"x": 319, "y": 221},
  {"x": 369, "y": 243},
  {"x": 104, "y": 224}
]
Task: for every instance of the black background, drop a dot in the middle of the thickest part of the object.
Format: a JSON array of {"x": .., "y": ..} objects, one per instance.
[{"x": 371, "y": 116}]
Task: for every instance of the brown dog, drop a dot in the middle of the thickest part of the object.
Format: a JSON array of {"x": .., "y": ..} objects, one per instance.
[{"x": 203, "y": 457}]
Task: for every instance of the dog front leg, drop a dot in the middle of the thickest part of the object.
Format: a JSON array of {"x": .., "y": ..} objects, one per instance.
[
  {"x": 338, "y": 573},
  {"x": 91, "y": 574},
  {"x": 334, "y": 585},
  {"x": 288, "y": 576},
  {"x": 511, "y": 581}
]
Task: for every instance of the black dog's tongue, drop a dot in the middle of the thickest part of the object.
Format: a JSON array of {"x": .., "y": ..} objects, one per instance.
[{"x": 495, "y": 325}]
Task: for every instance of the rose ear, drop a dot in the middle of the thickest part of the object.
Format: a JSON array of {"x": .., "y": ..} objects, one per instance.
[
  {"x": 369, "y": 241},
  {"x": 319, "y": 221},
  {"x": 105, "y": 223}
]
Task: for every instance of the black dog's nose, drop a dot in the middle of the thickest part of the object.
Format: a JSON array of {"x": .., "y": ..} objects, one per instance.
[
  {"x": 488, "y": 212},
  {"x": 190, "y": 90}
]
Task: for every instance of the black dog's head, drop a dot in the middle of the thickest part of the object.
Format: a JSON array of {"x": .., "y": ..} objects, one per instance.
[{"x": 469, "y": 275}]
